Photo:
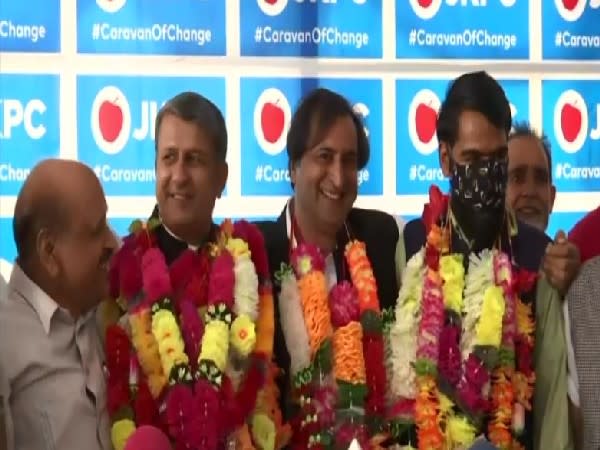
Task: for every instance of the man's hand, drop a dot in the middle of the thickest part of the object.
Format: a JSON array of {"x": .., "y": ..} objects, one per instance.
[{"x": 561, "y": 262}]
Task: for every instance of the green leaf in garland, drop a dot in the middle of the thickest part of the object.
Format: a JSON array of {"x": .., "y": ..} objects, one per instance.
[
  {"x": 400, "y": 428},
  {"x": 136, "y": 226},
  {"x": 506, "y": 357},
  {"x": 387, "y": 319},
  {"x": 180, "y": 373},
  {"x": 350, "y": 415},
  {"x": 153, "y": 223},
  {"x": 425, "y": 367},
  {"x": 487, "y": 355},
  {"x": 321, "y": 440},
  {"x": 125, "y": 412},
  {"x": 375, "y": 424},
  {"x": 208, "y": 370},
  {"x": 324, "y": 357},
  {"x": 285, "y": 270},
  {"x": 303, "y": 377},
  {"x": 218, "y": 312},
  {"x": 351, "y": 394},
  {"x": 371, "y": 322}
]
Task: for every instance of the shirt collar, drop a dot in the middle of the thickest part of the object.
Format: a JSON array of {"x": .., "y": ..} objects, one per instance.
[
  {"x": 174, "y": 236},
  {"x": 41, "y": 302},
  {"x": 288, "y": 223}
]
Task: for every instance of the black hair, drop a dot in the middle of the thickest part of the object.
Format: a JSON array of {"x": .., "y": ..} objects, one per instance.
[
  {"x": 524, "y": 129},
  {"x": 314, "y": 116},
  {"x": 44, "y": 213},
  {"x": 474, "y": 91},
  {"x": 193, "y": 107}
]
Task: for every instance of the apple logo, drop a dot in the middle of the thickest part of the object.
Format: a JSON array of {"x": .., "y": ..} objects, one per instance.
[
  {"x": 110, "y": 120},
  {"x": 570, "y": 10},
  {"x": 426, "y": 9},
  {"x": 272, "y": 122},
  {"x": 570, "y": 4},
  {"x": 272, "y": 7},
  {"x": 272, "y": 117},
  {"x": 422, "y": 121},
  {"x": 425, "y": 122},
  {"x": 111, "y": 6},
  {"x": 570, "y": 121}
]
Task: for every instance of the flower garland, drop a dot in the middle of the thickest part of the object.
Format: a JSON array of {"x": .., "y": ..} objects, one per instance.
[
  {"x": 461, "y": 360},
  {"x": 193, "y": 353},
  {"x": 336, "y": 349}
]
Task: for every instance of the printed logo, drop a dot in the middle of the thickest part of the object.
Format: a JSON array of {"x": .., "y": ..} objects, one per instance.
[
  {"x": 426, "y": 9},
  {"x": 29, "y": 115},
  {"x": 111, "y": 120},
  {"x": 111, "y": 6},
  {"x": 422, "y": 121},
  {"x": 572, "y": 10},
  {"x": 272, "y": 7},
  {"x": 272, "y": 117},
  {"x": 29, "y": 119},
  {"x": 570, "y": 121}
]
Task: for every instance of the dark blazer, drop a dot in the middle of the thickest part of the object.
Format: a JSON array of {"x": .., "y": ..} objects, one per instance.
[{"x": 380, "y": 233}]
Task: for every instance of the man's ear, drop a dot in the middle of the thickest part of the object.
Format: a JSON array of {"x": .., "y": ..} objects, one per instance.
[
  {"x": 46, "y": 250},
  {"x": 444, "y": 154},
  {"x": 222, "y": 180},
  {"x": 294, "y": 168}
]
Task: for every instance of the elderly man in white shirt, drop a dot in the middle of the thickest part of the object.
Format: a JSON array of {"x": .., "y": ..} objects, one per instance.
[{"x": 51, "y": 380}]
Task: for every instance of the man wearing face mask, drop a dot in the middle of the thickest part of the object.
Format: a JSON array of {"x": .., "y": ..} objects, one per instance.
[{"x": 473, "y": 127}]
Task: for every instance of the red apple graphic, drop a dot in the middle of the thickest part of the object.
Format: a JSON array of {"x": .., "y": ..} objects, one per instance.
[
  {"x": 425, "y": 3},
  {"x": 110, "y": 118},
  {"x": 271, "y": 2},
  {"x": 272, "y": 121},
  {"x": 570, "y": 122},
  {"x": 425, "y": 121},
  {"x": 570, "y": 4}
]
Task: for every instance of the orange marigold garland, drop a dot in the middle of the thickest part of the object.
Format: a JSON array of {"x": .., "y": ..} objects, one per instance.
[{"x": 336, "y": 355}]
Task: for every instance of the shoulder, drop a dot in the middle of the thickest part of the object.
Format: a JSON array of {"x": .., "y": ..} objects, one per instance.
[
  {"x": 530, "y": 245},
  {"x": 588, "y": 224},
  {"x": 377, "y": 221},
  {"x": 587, "y": 281}
]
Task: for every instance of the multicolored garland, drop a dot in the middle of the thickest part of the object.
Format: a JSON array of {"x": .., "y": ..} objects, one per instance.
[
  {"x": 461, "y": 345},
  {"x": 336, "y": 349},
  {"x": 193, "y": 353}
]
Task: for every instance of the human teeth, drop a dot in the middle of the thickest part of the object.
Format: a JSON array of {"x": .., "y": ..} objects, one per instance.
[{"x": 331, "y": 195}]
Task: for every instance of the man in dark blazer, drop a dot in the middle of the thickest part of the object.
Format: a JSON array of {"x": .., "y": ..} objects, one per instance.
[{"x": 327, "y": 146}]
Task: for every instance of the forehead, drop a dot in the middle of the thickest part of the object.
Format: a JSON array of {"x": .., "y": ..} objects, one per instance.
[
  {"x": 176, "y": 133},
  {"x": 87, "y": 207},
  {"x": 476, "y": 132},
  {"x": 526, "y": 151},
  {"x": 341, "y": 135}
]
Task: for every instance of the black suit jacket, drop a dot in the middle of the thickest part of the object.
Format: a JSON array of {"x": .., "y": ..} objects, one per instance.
[{"x": 380, "y": 233}]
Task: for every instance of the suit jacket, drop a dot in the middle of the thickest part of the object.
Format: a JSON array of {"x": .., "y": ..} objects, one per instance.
[{"x": 380, "y": 233}]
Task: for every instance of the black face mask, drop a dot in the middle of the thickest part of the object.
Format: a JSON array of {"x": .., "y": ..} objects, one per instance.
[
  {"x": 480, "y": 185},
  {"x": 478, "y": 192}
]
